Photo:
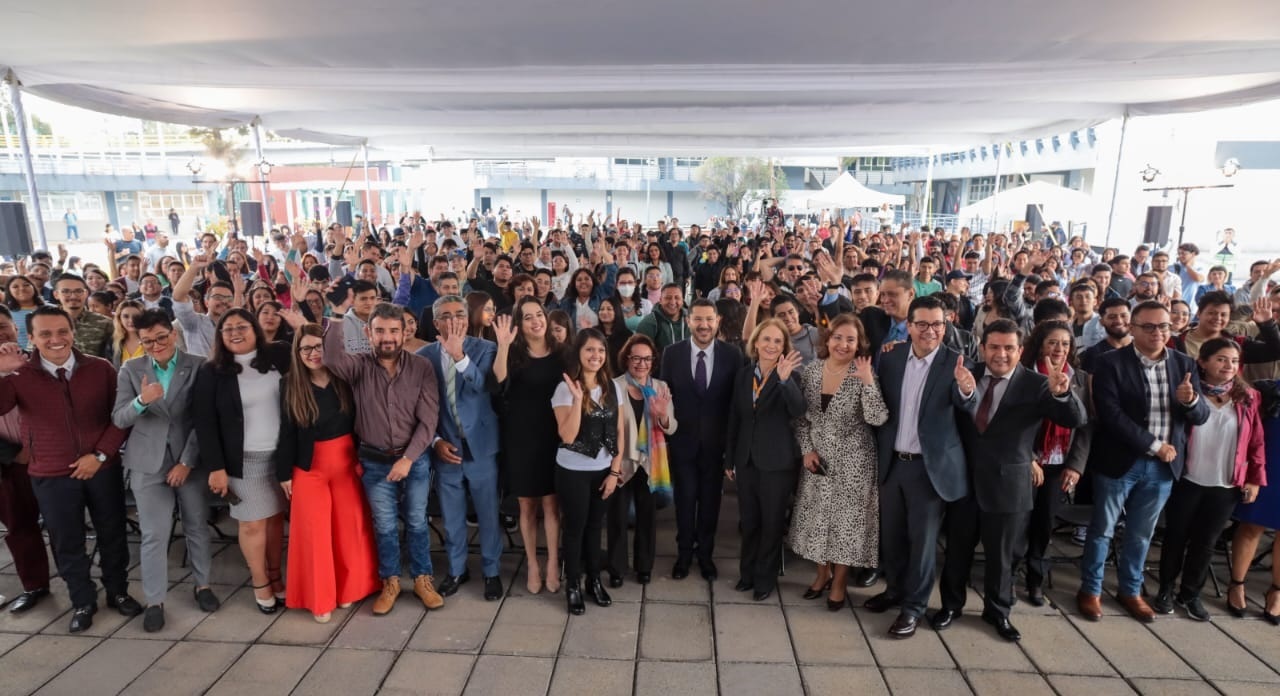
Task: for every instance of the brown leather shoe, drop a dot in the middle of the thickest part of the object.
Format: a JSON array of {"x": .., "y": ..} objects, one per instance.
[
  {"x": 1090, "y": 606},
  {"x": 424, "y": 587},
  {"x": 1137, "y": 608},
  {"x": 387, "y": 599}
]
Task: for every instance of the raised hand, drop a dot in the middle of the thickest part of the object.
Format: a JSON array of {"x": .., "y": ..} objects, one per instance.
[
  {"x": 293, "y": 318},
  {"x": 342, "y": 307},
  {"x": 151, "y": 391},
  {"x": 964, "y": 378},
  {"x": 787, "y": 363},
  {"x": 452, "y": 339},
  {"x": 1059, "y": 382},
  {"x": 755, "y": 287},
  {"x": 862, "y": 370},
  {"x": 1186, "y": 393},
  {"x": 660, "y": 403},
  {"x": 505, "y": 328},
  {"x": 11, "y": 357},
  {"x": 575, "y": 389},
  {"x": 1262, "y": 310}
]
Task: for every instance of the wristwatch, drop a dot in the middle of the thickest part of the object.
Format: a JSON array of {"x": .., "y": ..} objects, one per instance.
[{"x": 102, "y": 458}]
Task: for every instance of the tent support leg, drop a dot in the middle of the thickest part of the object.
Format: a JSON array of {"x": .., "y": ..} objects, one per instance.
[
  {"x": 262, "y": 182},
  {"x": 40, "y": 241},
  {"x": 1115, "y": 181}
]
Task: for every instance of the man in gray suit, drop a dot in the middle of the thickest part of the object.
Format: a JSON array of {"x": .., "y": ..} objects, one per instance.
[{"x": 154, "y": 399}]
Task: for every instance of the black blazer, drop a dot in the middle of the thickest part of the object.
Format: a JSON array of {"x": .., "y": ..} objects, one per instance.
[
  {"x": 877, "y": 323},
  {"x": 761, "y": 432},
  {"x": 1119, "y": 390},
  {"x": 703, "y": 417},
  {"x": 219, "y": 414},
  {"x": 940, "y": 407},
  {"x": 1000, "y": 458}
]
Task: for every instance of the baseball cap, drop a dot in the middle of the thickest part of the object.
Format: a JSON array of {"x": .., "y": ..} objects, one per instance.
[{"x": 955, "y": 275}]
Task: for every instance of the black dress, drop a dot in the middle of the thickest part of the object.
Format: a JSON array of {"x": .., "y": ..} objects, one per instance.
[{"x": 530, "y": 436}]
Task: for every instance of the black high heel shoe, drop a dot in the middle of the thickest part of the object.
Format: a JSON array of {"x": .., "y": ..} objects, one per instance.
[
  {"x": 833, "y": 605},
  {"x": 1237, "y": 612},
  {"x": 811, "y": 593},
  {"x": 1273, "y": 619}
]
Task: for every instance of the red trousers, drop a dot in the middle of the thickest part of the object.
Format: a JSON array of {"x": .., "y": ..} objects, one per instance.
[
  {"x": 20, "y": 515},
  {"x": 332, "y": 559}
]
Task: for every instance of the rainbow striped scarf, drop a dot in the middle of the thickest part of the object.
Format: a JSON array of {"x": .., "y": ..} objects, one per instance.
[{"x": 652, "y": 444}]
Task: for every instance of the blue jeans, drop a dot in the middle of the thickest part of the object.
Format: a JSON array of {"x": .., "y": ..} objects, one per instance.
[
  {"x": 481, "y": 479},
  {"x": 384, "y": 502},
  {"x": 1140, "y": 495},
  {"x": 73, "y": 232}
]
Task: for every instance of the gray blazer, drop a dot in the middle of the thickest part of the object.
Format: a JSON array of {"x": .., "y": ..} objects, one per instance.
[{"x": 165, "y": 424}]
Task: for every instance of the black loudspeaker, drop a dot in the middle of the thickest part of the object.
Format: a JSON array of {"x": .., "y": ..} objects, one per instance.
[
  {"x": 1035, "y": 221},
  {"x": 15, "y": 235},
  {"x": 1159, "y": 221},
  {"x": 342, "y": 213},
  {"x": 250, "y": 218}
]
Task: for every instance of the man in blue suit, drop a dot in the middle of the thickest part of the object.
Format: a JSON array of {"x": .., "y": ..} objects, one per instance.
[{"x": 466, "y": 444}]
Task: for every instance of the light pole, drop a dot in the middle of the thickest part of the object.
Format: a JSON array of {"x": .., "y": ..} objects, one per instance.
[{"x": 1229, "y": 169}]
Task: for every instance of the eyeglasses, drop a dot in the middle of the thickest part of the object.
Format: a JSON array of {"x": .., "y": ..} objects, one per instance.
[
  {"x": 74, "y": 292},
  {"x": 451, "y": 316},
  {"x": 242, "y": 328},
  {"x": 221, "y": 297},
  {"x": 642, "y": 359},
  {"x": 308, "y": 350},
  {"x": 923, "y": 326},
  {"x": 1154, "y": 328},
  {"x": 158, "y": 340}
]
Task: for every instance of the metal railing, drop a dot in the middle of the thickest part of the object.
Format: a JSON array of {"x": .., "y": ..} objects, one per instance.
[
  {"x": 99, "y": 167},
  {"x": 542, "y": 169}
]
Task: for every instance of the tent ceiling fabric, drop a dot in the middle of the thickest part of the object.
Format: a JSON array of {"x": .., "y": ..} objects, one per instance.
[{"x": 486, "y": 78}]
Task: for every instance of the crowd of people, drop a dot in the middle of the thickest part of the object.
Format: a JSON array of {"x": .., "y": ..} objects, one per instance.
[{"x": 867, "y": 392}]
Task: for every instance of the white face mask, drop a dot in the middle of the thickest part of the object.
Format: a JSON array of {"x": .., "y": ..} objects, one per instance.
[{"x": 626, "y": 290}]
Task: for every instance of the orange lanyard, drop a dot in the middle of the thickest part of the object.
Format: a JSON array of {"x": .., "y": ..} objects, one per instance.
[{"x": 757, "y": 384}]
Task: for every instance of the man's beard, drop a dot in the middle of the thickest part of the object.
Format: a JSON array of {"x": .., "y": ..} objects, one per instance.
[{"x": 382, "y": 352}]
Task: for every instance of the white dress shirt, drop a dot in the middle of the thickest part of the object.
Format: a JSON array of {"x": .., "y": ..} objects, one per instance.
[
  {"x": 710, "y": 358},
  {"x": 69, "y": 366},
  {"x": 913, "y": 380}
]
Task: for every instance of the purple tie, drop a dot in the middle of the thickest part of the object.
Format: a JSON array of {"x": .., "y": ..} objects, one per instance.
[{"x": 700, "y": 371}]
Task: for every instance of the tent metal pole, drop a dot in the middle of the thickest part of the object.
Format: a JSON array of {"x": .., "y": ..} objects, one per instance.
[
  {"x": 928, "y": 192},
  {"x": 1115, "y": 181},
  {"x": 262, "y": 178},
  {"x": 20, "y": 123},
  {"x": 368, "y": 214},
  {"x": 999, "y": 153}
]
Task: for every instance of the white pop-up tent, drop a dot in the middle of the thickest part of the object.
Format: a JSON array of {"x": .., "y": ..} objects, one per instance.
[
  {"x": 848, "y": 192},
  {"x": 494, "y": 78},
  {"x": 1055, "y": 203}
]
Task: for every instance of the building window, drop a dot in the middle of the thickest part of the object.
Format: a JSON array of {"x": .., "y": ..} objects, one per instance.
[
  {"x": 635, "y": 161},
  {"x": 980, "y": 188},
  {"x": 155, "y": 205},
  {"x": 689, "y": 161},
  {"x": 873, "y": 164}
]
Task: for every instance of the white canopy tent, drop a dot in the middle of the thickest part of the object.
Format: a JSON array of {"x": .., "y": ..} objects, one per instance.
[
  {"x": 492, "y": 78},
  {"x": 1055, "y": 203},
  {"x": 848, "y": 192}
]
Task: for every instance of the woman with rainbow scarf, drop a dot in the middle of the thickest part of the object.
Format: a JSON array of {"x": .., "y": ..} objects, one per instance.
[{"x": 646, "y": 477}]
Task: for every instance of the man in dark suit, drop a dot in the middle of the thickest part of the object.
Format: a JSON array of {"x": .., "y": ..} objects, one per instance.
[
  {"x": 925, "y": 384},
  {"x": 999, "y": 440},
  {"x": 1146, "y": 397},
  {"x": 700, "y": 371}
]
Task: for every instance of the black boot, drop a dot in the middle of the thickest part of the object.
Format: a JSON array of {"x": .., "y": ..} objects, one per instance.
[
  {"x": 573, "y": 595},
  {"x": 595, "y": 588}
]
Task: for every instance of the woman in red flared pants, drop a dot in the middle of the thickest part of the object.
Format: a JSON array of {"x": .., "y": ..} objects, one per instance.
[{"x": 332, "y": 561}]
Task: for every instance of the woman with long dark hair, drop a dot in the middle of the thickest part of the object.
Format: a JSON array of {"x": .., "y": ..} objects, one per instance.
[
  {"x": 631, "y": 297},
  {"x": 529, "y": 366},
  {"x": 1060, "y": 453},
  {"x": 21, "y": 297},
  {"x": 583, "y": 297},
  {"x": 588, "y": 462},
  {"x": 656, "y": 259},
  {"x": 614, "y": 328},
  {"x": 332, "y": 559},
  {"x": 237, "y": 414},
  {"x": 274, "y": 327},
  {"x": 1225, "y": 465},
  {"x": 481, "y": 311}
]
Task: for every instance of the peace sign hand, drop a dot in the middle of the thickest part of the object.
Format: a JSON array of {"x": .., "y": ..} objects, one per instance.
[
  {"x": 964, "y": 378},
  {"x": 1059, "y": 383}
]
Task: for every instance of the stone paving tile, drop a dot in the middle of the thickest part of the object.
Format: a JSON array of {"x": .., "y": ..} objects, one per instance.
[
  {"x": 181, "y": 615},
  {"x": 746, "y": 679},
  {"x": 1237, "y": 688},
  {"x": 752, "y": 633},
  {"x": 1070, "y": 685},
  {"x": 508, "y": 674},
  {"x": 1133, "y": 649},
  {"x": 662, "y": 588},
  {"x": 1173, "y": 687},
  {"x": 924, "y": 649},
  {"x": 975, "y": 645},
  {"x": 1056, "y": 647},
  {"x": 935, "y": 682},
  {"x": 609, "y": 633},
  {"x": 574, "y": 675},
  {"x": 826, "y": 679},
  {"x": 824, "y": 637},
  {"x": 462, "y": 626},
  {"x": 237, "y": 620},
  {"x": 631, "y": 591},
  {"x": 1213, "y": 653},
  {"x": 8, "y": 641},
  {"x": 299, "y": 627},
  {"x": 107, "y": 668},
  {"x": 105, "y": 622},
  {"x": 676, "y": 632},
  {"x": 1256, "y": 635},
  {"x": 38, "y": 660},
  {"x": 428, "y": 674},
  {"x": 389, "y": 632},
  {"x": 228, "y": 567},
  {"x": 50, "y": 610},
  {"x": 531, "y": 626},
  {"x": 340, "y": 671},
  {"x": 266, "y": 669},
  {"x": 666, "y": 678},
  {"x": 995, "y": 683},
  {"x": 189, "y": 667}
]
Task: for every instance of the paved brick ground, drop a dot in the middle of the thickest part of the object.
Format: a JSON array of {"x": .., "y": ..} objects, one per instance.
[{"x": 687, "y": 637}]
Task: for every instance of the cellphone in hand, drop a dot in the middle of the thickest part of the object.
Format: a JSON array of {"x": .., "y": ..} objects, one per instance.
[
  {"x": 339, "y": 293},
  {"x": 231, "y": 498},
  {"x": 821, "y": 469}
]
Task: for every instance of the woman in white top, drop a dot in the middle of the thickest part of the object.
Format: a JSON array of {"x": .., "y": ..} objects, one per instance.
[
  {"x": 562, "y": 267},
  {"x": 1225, "y": 465},
  {"x": 588, "y": 463}
]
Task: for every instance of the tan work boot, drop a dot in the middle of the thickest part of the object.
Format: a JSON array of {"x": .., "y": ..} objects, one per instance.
[
  {"x": 386, "y": 600},
  {"x": 425, "y": 588}
]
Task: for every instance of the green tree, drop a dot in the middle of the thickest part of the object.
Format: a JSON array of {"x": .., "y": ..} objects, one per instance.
[
  {"x": 221, "y": 146},
  {"x": 40, "y": 126},
  {"x": 739, "y": 183}
]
